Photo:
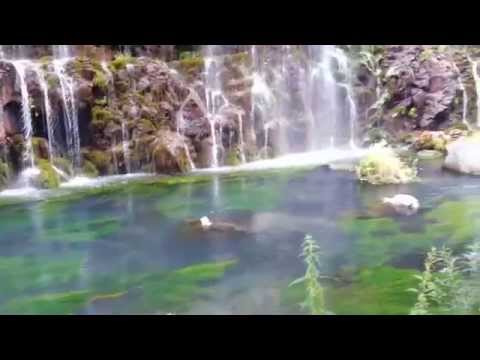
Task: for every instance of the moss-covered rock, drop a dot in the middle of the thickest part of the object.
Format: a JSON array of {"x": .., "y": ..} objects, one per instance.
[
  {"x": 63, "y": 164},
  {"x": 89, "y": 169},
  {"x": 48, "y": 178},
  {"x": 121, "y": 62},
  {"x": 4, "y": 174},
  {"x": 233, "y": 157},
  {"x": 40, "y": 147},
  {"x": 100, "y": 159},
  {"x": 169, "y": 152}
]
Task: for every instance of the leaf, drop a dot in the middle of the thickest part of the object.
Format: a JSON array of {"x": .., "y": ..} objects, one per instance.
[{"x": 298, "y": 281}]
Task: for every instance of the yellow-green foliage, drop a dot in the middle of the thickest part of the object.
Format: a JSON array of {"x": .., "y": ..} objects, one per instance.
[
  {"x": 121, "y": 61},
  {"x": 89, "y": 169},
  {"x": 192, "y": 64},
  {"x": 100, "y": 159},
  {"x": 63, "y": 164},
  {"x": 100, "y": 80},
  {"x": 233, "y": 157},
  {"x": 48, "y": 177},
  {"x": 100, "y": 117},
  {"x": 3, "y": 173},
  {"x": 383, "y": 166}
]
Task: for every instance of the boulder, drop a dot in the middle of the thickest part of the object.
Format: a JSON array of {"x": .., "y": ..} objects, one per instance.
[
  {"x": 463, "y": 156},
  {"x": 402, "y": 204}
]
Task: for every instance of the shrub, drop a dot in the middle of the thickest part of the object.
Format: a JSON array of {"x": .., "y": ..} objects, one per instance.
[{"x": 383, "y": 166}]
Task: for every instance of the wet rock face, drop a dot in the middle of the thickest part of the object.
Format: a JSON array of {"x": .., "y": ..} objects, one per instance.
[{"x": 422, "y": 84}]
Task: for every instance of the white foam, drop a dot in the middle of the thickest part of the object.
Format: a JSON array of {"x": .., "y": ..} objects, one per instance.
[
  {"x": 85, "y": 182},
  {"x": 313, "y": 158},
  {"x": 29, "y": 192}
]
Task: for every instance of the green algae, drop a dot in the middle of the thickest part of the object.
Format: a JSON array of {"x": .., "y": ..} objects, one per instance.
[
  {"x": 381, "y": 290},
  {"x": 19, "y": 274},
  {"x": 82, "y": 231},
  {"x": 378, "y": 241},
  {"x": 50, "y": 304},
  {"x": 173, "y": 291},
  {"x": 373, "y": 291}
]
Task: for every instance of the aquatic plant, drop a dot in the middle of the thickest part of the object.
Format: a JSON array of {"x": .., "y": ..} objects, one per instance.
[
  {"x": 373, "y": 291},
  {"x": 383, "y": 166},
  {"x": 315, "y": 299},
  {"x": 437, "y": 283},
  {"x": 449, "y": 285}
]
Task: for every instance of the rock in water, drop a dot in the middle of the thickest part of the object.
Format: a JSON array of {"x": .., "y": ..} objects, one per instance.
[
  {"x": 205, "y": 222},
  {"x": 403, "y": 204},
  {"x": 463, "y": 156}
]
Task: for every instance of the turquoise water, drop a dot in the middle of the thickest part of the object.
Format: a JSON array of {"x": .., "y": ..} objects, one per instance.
[{"x": 129, "y": 248}]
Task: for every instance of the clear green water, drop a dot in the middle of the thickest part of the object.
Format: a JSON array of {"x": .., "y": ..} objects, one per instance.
[{"x": 126, "y": 249}]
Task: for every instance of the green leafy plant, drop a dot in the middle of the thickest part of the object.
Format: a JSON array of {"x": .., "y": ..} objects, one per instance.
[
  {"x": 383, "y": 166},
  {"x": 315, "y": 294},
  {"x": 439, "y": 283}
]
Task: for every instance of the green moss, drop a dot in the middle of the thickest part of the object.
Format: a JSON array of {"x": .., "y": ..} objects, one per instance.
[
  {"x": 100, "y": 80},
  {"x": 63, "y": 164},
  {"x": 242, "y": 58},
  {"x": 50, "y": 304},
  {"x": 89, "y": 169},
  {"x": 20, "y": 274},
  {"x": 101, "y": 113},
  {"x": 4, "y": 174},
  {"x": 48, "y": 178},
  {"x": 379, "y": 241},
  {"x": 52, "y": 81},
  {"x": 233, "y": 157},
  {"x": 178, "y": 290},
  {"x": 82, "y": 231},
  {"x": 100, "y": 159},
  {"x": 121, "y": 61},
  {"x": 40, "y": 147},
  {"x": 412, "y": 113},
  {"x": 375, "y": 291},
  {"x": 192, "y": 65}
]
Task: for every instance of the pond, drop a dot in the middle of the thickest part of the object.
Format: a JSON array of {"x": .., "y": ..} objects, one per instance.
[{"x": 128, "y": 247}]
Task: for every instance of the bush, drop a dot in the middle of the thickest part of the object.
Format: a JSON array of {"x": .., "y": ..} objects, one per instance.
[{"x": 383, "y": 166}]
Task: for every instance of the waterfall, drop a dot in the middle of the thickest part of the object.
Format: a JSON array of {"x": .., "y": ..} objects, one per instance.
[
  {"x": 464, "y": 95},
  {"x": 262, "y": 100},
  {"x": 69, "y": 111},
  {"x": 330, "y": 62},
  {"x": 476, "y": 79},
  {"x": 48, "y": 111},
  {"x": 61, "y": 51},
  {"x": 212, "y": 93},
  {"x": 125, "y": 132},
  {"x": 240, "y": 136},
  {"x": 192, "y": 96},
  {"x": 2, "y": 53},
  {"x": 21, "y": 68}
]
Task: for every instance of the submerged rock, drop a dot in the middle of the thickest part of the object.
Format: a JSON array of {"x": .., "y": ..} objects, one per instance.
[
  {"x": 403, "y": 204},
  {"x": 205, "y": 224},
  {"x": 463, "y": 156}
]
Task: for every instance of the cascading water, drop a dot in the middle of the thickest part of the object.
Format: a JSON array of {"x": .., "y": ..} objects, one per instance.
[
  {"x": 461, "y": 85},
  {"x": 323, "y": 96},
  {"x": 476, "y": 79},
  {"x": 69, "y": 110},
  {"x": 21, "y": 68},
  {"x": 181, "y": 121},
  {"x": 52, "y": 152},
  {"x": 213, "y": 93},
  {"x": 125, "y": 132}
]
